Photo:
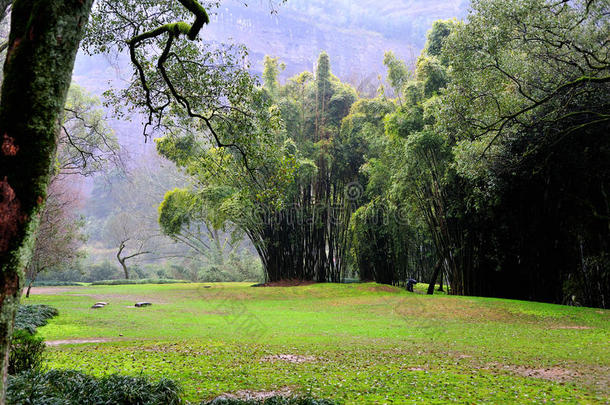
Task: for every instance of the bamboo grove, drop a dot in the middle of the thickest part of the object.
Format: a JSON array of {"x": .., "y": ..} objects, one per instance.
[{"x": 484, "y": 169}]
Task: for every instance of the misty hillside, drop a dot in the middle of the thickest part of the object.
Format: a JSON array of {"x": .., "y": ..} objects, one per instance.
[{"x": 354, "y": 33}]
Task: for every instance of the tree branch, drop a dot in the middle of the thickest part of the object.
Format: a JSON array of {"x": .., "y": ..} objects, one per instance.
[{"x": 504, "y": 120}]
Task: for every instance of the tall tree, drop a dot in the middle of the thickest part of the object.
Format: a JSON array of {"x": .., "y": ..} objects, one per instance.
[{"x": 42, "y": 47}]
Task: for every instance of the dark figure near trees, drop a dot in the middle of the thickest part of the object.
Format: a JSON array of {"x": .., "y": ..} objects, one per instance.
[{"x": 410, "y": 284}]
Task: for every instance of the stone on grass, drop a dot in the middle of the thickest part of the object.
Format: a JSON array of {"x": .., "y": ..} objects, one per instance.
[
  {"x": 101, "y": 303},
  {"x": 143, "y": 304},
  {"x": 96, "y": 306}
]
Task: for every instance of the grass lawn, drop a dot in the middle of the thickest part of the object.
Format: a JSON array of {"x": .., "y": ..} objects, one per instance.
[{"x": 356, "y": 343}]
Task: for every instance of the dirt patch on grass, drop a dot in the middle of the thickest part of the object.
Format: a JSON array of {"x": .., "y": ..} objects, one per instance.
[
  {"x": 77, "y": 341},
  {"x": 557, "y": 374},
  {"x": 289, "y": 358},
  {"x": 378, "y": 288},
  {"x": 258, "y": 395},
  {"x": 286, "y": 283},
  {"x": 114, "y": 298},
  {"x": 577, "y": 327},
  {"x": 54, "y": 290}
]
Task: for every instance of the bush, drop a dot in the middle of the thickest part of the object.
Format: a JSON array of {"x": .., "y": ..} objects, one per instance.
[
  {"x": 142, "y": 281},
  {"x": 271, "y": 401},
  {"x": 239, "y": 266},
  {"x": 26, "y": 352},
  {"x": 103, "y": 271},
  {"x": 55, "y": 283},
  {"x": 68, "y": 387},
  {"x": 30, "y": 317}
]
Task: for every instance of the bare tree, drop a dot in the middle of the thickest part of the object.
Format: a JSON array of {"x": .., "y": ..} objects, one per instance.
[
  {"x": 59, "y": 236},
  {"x": 130, "y": 236}
]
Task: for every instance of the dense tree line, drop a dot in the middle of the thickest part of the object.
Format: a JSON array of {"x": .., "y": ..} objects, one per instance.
[
  {"x": 489, "y": 169},
  {"x": 527, "y": 112}
]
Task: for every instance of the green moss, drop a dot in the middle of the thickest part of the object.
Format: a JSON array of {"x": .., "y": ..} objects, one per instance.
[{"x": 179, "y": 28}]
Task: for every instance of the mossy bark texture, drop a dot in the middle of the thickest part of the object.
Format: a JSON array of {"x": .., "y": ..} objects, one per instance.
[{"x": 43, "y": 42}]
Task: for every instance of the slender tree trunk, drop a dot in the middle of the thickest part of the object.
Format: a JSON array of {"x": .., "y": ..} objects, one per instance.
[
  {"x": 437, "y": 269},
  {"x": 122, "y": 260},
  {"x": 43, "y": 42},
  {"x": 27, "y": 294},
  {"x": 33, "y": 278},
  {"x": 440, "y": 284},
  {"x": 124, "y": 266}
]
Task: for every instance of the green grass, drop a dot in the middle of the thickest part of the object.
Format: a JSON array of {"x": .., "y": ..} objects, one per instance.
[{"x": 359, "y": 343}]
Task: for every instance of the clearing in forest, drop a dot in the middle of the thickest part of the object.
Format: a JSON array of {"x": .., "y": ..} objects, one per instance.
[{"x": 356, "y": 343}]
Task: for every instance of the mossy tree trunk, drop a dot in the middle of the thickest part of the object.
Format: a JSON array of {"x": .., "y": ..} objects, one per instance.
[{"x": 43, "y": 42}]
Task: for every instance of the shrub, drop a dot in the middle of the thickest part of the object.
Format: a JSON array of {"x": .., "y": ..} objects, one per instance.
[
  {"x": 142, "y": 281},
  {"x": 68, "y": 387},
  {"x": 30, "y": 317},
  {"x": 104, "y": 271},
  {"x": 55, "y": 283},
  {"x": 26, "y": 352},
  {"x": 271, "y": 401}
]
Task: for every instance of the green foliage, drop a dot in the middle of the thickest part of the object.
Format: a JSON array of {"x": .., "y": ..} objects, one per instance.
[
  {"x": 54, "y": 283},
  {"x": 514, "y": 81},
  {"x": 177, "y": 210},
  {"x": 30, "y": 317},
  {"x": 104, "y": 271},
  {"x": 26, "y": 352},
  {"x": 74, "y": 388},
  {"x": 398, "y": 73},
  {"x": 380, "y": 243},
  {"x": 437, "y": 35},
  {"x": 272, "y": 69},
  {"x": 432, "y": 74},
  {"x": 408, "y": 120},
  {"x": 302, "y": 145},
  {"x": 27, "y": 349},
  {"x": 323, "y": 77},
  {"x": 525, "y": 116}
]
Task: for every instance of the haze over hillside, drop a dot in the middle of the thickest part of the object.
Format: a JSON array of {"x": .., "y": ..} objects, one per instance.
[{"x": 355, "y": 33}]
